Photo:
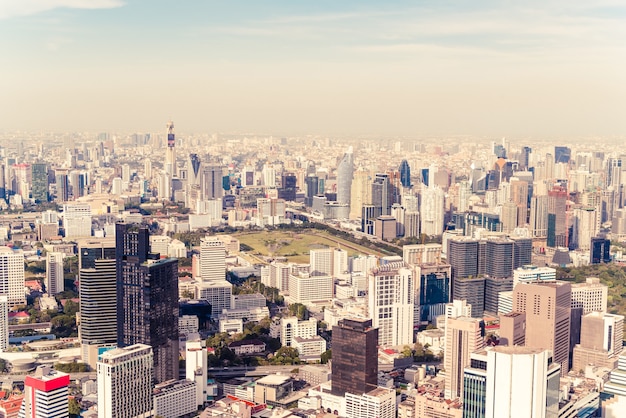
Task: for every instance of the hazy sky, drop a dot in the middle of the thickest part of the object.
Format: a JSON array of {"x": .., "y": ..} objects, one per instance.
[{"x": 532, "y": 67}]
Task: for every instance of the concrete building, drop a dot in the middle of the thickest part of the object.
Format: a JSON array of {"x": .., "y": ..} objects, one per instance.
[
  {"x": 196, "y": 363},
  {"x": 77, "y": 220},
  {"x": 212, "y": 260},
  {"x": 601, "y": 336},
  {"x": 377, "y": 403},
  {"x": 125, "y": 383},
  {"x": 12, "y": 276},
  {"x": 464, "y": 336},
  {"x": 305, "y": 288},
  {"x": 45, "y": 394},
  {"x": 432, "y": 211},
  {"x": 175, "y": 399},
  {"x": 54, "y": 273},
  {"x": 513, "y": 329},
  {"x": 511, "y": 382},
  {"x": 290, "y": 327},
  {"x": 218, "y": 293},
  {"x": 530, "y": 273},
  {"x": 591, "y": 296},
  {"x": 391, "y": 303},
  {"x": 4, "y": 323},
  {"x": 547, "y": 307},
  {"x": 321, "y": 260}
]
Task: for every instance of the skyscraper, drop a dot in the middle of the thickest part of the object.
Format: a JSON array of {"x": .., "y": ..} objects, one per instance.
[
  {"x": 54, "y": 273},
  {"x": 547, "y": 307},
  {"x": 381, "y": 194},
  {"x": 432, "y": 211},
  {"x": 12, "y": 276},
  {"x": 391, "y": 303},
  {"x": 196, "y": 368},
  {"x": 463, "y": 336},
  {"x": 345, "y": 171},
  {"x": 355, "y": 358},
  {"x": 212, "y": 259},
  {"x": 557, "y": 217},
  {"x": 39, "y": 189},
  {"x": 600, "y": 250},
  {"x": 45, "y": 394},
  {"x": 405, "y": 174},
  {"x": 125, "y": 383},
  {"x": 147, "y": 299}
]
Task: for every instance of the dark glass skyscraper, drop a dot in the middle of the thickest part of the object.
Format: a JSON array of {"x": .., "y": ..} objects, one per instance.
[
  {"x": 600, "y": 250},
  {"x": 289, "y": 187},
  {"x": 147, "y": 299},
  {"x": 405, "y": 173},
  {"x": 355, "y": 358}
]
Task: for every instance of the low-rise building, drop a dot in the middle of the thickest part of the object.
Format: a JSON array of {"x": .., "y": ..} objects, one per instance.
[
  {"x": 247, "y": 347},
  {"x": 175, "y": 398}
]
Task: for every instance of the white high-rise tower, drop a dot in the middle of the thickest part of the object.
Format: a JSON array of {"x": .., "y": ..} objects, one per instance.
[{"x": 345, "y": 171}]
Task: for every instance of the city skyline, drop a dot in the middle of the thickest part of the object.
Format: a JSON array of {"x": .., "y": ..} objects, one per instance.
[{"x": 398, "y": 68}]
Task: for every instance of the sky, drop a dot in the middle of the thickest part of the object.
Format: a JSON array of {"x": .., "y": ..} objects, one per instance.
[{"x": 350, "y": 67}]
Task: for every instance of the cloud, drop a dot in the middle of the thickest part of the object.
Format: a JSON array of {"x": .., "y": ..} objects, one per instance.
[{"x": 15, "y": 8}]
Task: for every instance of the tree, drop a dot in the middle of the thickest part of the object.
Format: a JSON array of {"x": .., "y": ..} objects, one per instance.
[
  {"x": 74, "y": 407},
  {"x": 326, "y": 355},
  {"x": 407, "y": 352}
]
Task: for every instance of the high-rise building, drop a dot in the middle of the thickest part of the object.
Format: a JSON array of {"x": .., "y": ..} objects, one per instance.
[
  {"x": 77, "y": 220},
  {"x": 405, "y": 174},
  {"x": 462, "y": 255},
  {"x": 288, "y": 188},
  {"x": 463, "y": 336},
  {"x": 170, "y": 155},
  {"x": 45, "y": 394},
  {"x": 196, "y": 368},
  {"x": 586, "y": 225},
  {"x": 591, "y": 296},
  {"x": 511, "y": 382},
  {"x": 377, "y": 403},
  {"x": 125, "y": 383},
  {"x": 361, "y": 192},
  {"x": 432, "y": 211},
  {"x": 321, "y": 260},
  {"x": 39, "y": 189},
  {"x": 345, "y": 171},
  {"x": 391, "y": 303},
  {"x": 355, "y": 362},
  {"x": 312, "y": 187},
  {"x": 12, "y": 276},
  {"x": 54, "y": 273},
  {"x": 4, "y": 322},
  {"x": 557, "y": 233},
  {"x": 513, "y": 328},
  {"x": 539, "y": 216},
  {"x": 600, "y": 250},
  {"x": 147, "y": 299},
  {"x": 547, "y": 307},
  {"x": 499, "y": 257},
  {"x": 212, "y": 259},
  {"x": 381, "y": 194},
  {"x": 601, "y": 337},
  {"x": 62, "y": 186}
]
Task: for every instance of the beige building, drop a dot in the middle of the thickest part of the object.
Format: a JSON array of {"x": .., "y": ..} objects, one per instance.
[
  {"x": 463, "y": 336},
  {"x": 513, "y": 329},
  {"x": 547, "y": 307},
  {"x": 591, "y": 295},
  {"x": 601, "y": 337}
]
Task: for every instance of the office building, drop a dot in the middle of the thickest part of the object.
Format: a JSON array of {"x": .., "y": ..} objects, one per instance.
[
  {"x": 493, "y": 287},
  {"x": 405, "y": 174},
  {"x": 377, "y": 403},
  {"x": 499, "y": 257},
  {"x": 321, "y": 261},
  {"x": 557, "y": 233},
  {"x": 472, "y": 290},
  {"x": 147, "y": 299},
  {"x": 355, "y": 362},
  {"x": 77, "y": 220},
  {"x": 391, "y": 300},
  {"x": 12, "y": 276},
  {"x": 175, "y": 399},
  {"x": 511, "y": 382},
  {"x": 600, "y": 250},
  {"x": 591, "y": 296},
  {"x": 305, "y": 288},
  {"x": 464, "y": 336},
  {"x": 218, "y": 293},
  {"x": 345, "y": 170},
  {"x": 196, "y": 363},
  {"x": 288, "y": 188},
  {"x": 90, "y": 250},
  {"x": 125, "y": 383},
  {"x": 530, "y": 274},
  {"x": 547, "y": 307},
  {"x": 4, "y": 322},
  {"x": 462, "y": 254},
  {"x": 212, "y": 260},
  {"x": 513, "y": 328},
  {"x": 432, "y": 211},
  {"x": 290, "y": 327},
  {"x": 601, "y": 336},
  {"x": 45, "y": 394},
  {"x": 381, "y": 194},
  {"x": 385, "y": 228},
  {"x": 54, "y": 273}
]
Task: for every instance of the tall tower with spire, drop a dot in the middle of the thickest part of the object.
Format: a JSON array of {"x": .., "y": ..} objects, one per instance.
[
  {"x": 345, "y": 172},
  {"x": 170, "y": 151}
]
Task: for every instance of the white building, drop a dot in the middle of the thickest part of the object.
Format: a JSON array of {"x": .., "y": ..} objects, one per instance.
[
  {"x": 432, "y": 211},
  {"x": 304, "y": 288},
  {"x": 270, "y": 212},
  {"x": 218, "y": 293},
  {"x": 175, "y": 398},
  {"x": 251, "y": 314},
  {"x": 212, "y": 260},
  {"x": 4, "y": 323},
  {"x": 54, "y": 273},
  {"x": 231, "y": 326},
  {"x": 309, "y": 349},
  {"x": 196, "y": 363},
  {"x": 390, "y": 303},
  {"x": 531, "y": 274},
  {"x": 591, "y": 295},
  {"x": 125, "y": 382},
  {"x": 377, "y": 403},
  {"x": 12, "y": 276},
  {"x": 45, "y": 394},
  {"x": 513, "y": 381},
  {"x": 290, "y": 327},
  {"x": 188, "y": 324},
  {"x": 248, "y": 301},
  {"x": 77, "y": 220},
  {"x": 321, "y": 260}
]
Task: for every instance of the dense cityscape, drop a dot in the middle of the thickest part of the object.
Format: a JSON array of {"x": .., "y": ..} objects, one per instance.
[
  {"x": 248, "y": 276},
  {"x": 351, "y": 209}
]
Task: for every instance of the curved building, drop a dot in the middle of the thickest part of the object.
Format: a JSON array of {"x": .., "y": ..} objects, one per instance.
[{"x": 345, "y": 170}]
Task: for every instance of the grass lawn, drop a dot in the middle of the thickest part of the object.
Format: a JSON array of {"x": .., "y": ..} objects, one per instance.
[{"x": 296, "y": 245}]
